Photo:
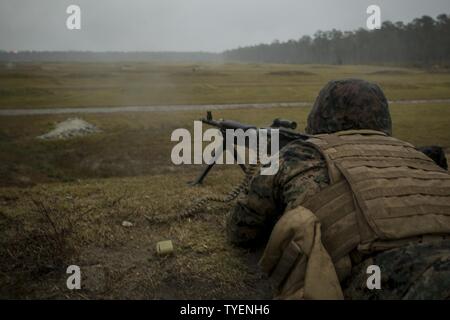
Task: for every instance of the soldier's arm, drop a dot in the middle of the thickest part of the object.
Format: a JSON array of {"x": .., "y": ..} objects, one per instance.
[
  {"x": 251, "y": 220},
  {"x": 256, "y": 212}
]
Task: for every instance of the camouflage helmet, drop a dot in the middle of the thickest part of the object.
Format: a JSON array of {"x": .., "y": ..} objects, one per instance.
[{"x": 349, "y": 104}]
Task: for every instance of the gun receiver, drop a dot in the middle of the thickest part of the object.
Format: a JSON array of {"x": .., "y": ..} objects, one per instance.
[{"x": 284, "y": 126}]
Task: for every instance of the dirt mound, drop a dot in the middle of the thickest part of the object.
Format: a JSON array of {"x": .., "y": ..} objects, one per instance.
[{"x": 70, "y": 128}]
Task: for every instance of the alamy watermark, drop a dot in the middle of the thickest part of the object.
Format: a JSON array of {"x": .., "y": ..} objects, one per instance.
[
  {"x": 74, "y": 280},
  {"x": 374, "y": 280},
  {"x": 374, "y": 20},
  {"x": 73, "y": 21},
  {"x": 234, "y": 148}
]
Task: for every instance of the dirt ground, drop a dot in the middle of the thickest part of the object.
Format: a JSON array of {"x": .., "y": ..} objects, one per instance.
[{"x": 48, "y": 227}]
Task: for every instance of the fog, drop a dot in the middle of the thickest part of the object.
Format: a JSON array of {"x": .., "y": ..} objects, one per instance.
[{"x": 187, "y": 25}]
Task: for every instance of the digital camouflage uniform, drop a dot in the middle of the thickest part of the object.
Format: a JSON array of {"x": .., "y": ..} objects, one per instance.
[
  {"x": 420, "y": 271},
  {"x": 302, "y": 172},
  {"x": 412, "y": 271}
]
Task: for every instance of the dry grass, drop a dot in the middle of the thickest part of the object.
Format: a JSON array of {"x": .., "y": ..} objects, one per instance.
[
  {"x": 136, "y": 144},
  {"x": 203, "y": 265},
  {"x": 63, "y": 202},
  {"x": 77, "y": 217},
  {"x": 115, "y": 84}
]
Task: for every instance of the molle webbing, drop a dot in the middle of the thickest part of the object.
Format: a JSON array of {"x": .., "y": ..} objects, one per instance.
[
  {"x": 381, "y": 185},
  {"x": 381, "y": 163},
  {"x": 335, "y": 208}
]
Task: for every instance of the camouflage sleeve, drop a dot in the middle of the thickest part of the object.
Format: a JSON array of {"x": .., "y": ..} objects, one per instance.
[
  {"x": 256, "y": 212},
  {"x": 249, "y": 221}
]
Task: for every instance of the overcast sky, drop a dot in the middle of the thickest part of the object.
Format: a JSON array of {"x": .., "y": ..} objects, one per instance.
[{"x": 188, "y": 25}]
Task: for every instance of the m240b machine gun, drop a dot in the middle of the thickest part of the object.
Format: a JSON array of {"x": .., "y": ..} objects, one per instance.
[{"x": 285, "y": 128}]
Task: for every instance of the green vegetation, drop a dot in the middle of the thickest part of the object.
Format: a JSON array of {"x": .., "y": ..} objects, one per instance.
[{"x": 422, "y": 42}]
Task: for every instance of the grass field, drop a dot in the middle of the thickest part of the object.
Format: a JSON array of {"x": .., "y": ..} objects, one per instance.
[
  {"x": 63, "y": 202},
  {"x": 133, "y": 144},
  {"x": 117, "y": 84}
]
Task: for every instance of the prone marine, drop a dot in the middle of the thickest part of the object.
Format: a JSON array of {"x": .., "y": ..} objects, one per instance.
[{"x": 350, "y": 197}]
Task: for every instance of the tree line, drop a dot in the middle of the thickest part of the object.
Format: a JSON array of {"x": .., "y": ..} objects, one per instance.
[
  {"x": 89, "y": 56},
  {"x": 422, "y": 42}
]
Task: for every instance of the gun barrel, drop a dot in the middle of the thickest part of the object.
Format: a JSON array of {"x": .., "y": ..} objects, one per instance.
[{"x": 227, "y": 124}]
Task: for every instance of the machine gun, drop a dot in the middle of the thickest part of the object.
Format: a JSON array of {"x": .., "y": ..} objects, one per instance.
[{"x": 286, "y": 134}]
